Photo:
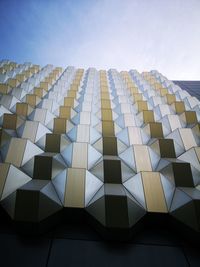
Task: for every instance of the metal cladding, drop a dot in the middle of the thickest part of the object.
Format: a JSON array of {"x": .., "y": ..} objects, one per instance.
[{"x": 118, "y": 145}]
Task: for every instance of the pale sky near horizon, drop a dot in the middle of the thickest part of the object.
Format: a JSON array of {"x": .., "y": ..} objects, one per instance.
[{"x": 121, "y": 34}]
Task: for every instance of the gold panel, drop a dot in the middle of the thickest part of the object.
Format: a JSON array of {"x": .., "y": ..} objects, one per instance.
[
  {"x": 74, "y": 87},
  {"x": 137, "y": 97},
  {"x": 39, "y": 92},
  {"x": 105, "y": 95},
  {"x": 178, "y": 106},
  {"x": 104, "y": 88},
  {"x": 13, "y": 82},
  {"x": 60, "y": 125},
  {"x": 108, "y": 128},
  {"x": 20, "y": 77},
  {"x": 11, "y": 121},
  {"x": 27, "y": 73},
  {"x": 4, "y": 168},
  {"x": 75, "y": 188},
  {"x": 23, "y": 109},
  {"x": 105, "y": 104},
  {"x": 154, "y": 129},
  {"x": 159, "y": 87},
  {"x": 189, "y": 117},
  {"x": 65, "y": 112},
  {"x": 163, "y": 91},
  {"x": 69, "y": 101},
  {"x": 133, "y": 90},
  {"x": 148, "y": 116},
  {"x": 106, "y": 115},
  {"x": 170, "y": 98},
  {"x": 4, "y": 88},
  {"x": 58, "y": 70},
  {"x": 53, "y": 143},
  {"x": 45, "y": 86},
  {"x": 142, "y": 159},
  {"x": 53, "y": 76},
  {"x": 72, "y": 94},
  {"x": 154, "y": 195},
  {"x": 49, "y": 80},
  {"x": 32, "y": 100},
  {"x": 142, "y": 105},
  {"x": 164, "y": 147},
  {"x": 110, "y": 146}
]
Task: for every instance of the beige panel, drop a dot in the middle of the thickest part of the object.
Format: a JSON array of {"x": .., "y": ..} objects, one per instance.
[
  {"x": 17, "y": 147},
  {"x": 30, "y": 130},
  {"x": 142, "y": 159},
  {"x": 188, "y": 138},
  {"x": 154, "y": 194},
  {"x": 40, "y": 115},
  {"x": 83, "y": 134},
  {"x": 134, "y": 135},
  {"x": 75, "y": 188},
  {"x": 80, "y": 155}
]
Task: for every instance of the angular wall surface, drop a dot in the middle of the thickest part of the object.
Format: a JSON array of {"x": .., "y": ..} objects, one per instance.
[{"x": 117, "y": 145}]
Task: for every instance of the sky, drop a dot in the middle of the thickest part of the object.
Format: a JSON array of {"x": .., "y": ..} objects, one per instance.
[{"x": 120, "y": 34}]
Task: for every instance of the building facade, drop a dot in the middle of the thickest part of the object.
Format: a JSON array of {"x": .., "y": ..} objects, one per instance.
[{"x": 117, "y": 147}]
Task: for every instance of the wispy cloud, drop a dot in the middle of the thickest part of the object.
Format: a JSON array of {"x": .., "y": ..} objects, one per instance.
[{"x": 145, "y": 35}]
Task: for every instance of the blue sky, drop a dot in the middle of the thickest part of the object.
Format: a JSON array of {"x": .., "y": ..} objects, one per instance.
[{"x": 121, "y": 34}]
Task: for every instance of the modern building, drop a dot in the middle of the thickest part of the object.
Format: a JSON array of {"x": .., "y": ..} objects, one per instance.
[{"x": 113, "y": 151}]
